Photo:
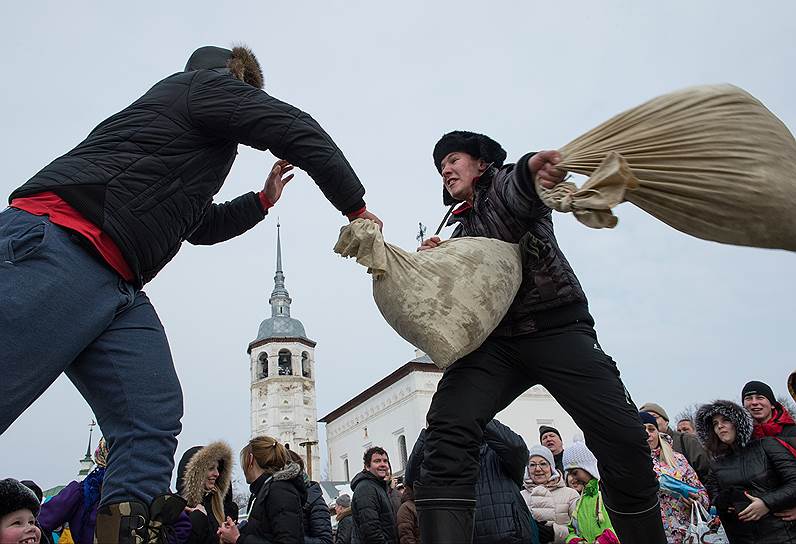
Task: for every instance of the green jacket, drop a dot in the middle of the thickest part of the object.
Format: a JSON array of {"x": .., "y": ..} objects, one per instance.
[{"x": 591, "y": 518}]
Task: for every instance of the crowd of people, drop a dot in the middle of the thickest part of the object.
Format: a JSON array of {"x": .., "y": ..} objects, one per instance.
[{"x": 548, "y": 493}]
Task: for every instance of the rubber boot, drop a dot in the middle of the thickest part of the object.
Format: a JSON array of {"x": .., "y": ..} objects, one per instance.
[
  {"x": 641, "y": 528},
  {"x": 446, "y": 514},
  {"x": 122, "y": 523}
]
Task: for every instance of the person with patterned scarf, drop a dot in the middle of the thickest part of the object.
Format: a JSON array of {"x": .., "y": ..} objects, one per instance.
[{"x": 77, "y": 502}]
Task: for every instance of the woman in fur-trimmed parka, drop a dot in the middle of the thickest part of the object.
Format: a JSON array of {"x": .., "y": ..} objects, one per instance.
[
  {"x": 204, "y": 480},
  {"x": 752, "y": 480}
]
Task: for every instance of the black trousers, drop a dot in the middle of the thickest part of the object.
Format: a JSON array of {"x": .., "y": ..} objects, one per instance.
[{"x": 585, "y": 381}]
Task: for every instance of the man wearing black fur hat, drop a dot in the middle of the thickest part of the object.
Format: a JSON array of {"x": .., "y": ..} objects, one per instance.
[
  {"x": 85, "y": 234},
  {"x": 547, "y": 337}
]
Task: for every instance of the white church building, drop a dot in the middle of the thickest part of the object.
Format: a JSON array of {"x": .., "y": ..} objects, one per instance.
[{"x": 391, "y": 413}]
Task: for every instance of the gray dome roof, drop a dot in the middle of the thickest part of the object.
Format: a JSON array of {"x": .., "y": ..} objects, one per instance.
[{"x": 280, "y": 327}]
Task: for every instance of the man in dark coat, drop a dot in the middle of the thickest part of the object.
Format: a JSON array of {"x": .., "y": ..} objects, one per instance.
[
  {"x": 84, "y": 235},
  {"x": 547, "y": 337},
  {"x": 501, "y": 515},
  {"x": 345, "y": 522},
  {"x": 770, "y": 418},
  {"x": 374, "y": 518}
]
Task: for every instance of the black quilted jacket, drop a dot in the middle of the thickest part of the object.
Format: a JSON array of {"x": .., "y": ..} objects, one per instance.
[
  {"x": 506, "y": 207},
  {"x": 146, "y": 176}
]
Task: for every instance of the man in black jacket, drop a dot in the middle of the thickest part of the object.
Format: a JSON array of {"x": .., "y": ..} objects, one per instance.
[
  {"x": 501, "y": 515},
  {"x": 546, "y": 337},
  {"x": 374, "y": 518},
  {"x": 85, "y": 234}
]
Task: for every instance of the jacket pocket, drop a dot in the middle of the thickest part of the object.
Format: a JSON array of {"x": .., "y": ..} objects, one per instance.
[
  {"x": 27, "y": 243},
  {"x": 158, "y": 194}
]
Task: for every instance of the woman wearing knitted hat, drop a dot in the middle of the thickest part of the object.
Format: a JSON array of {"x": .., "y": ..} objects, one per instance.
[
  {"x": 590, "y": 522},
  {"x": 18, "y": 509},
  {"x": 675, "y": 508},
  {"x": 77, "y": 503},
  {"x": 753, "y": 479},
  {"x": 548, "y": 498}
]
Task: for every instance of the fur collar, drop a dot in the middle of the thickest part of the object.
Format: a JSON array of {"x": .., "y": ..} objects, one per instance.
[
  {"x": 243, "y": 65},
  {"x": 290, "y": 471},
  {"x": 191, "y": 483},
  {"x": 735, "y": 413}
]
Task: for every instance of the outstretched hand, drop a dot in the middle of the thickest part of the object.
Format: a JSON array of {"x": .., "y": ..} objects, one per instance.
[
  {"x": 228, "y": 532},
  {"x": 276, "y": 180},
  {"x": 368, "y": 215},
  {"x": 543, "y": 166}
]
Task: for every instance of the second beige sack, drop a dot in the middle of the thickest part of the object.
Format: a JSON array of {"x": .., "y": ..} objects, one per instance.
[{"x": 444, "y": 301}]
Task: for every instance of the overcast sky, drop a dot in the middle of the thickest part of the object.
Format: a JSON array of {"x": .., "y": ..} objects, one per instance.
[{"x": 687, "y": 320}]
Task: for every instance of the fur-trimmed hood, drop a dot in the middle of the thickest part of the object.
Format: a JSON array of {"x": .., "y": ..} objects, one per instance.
[
  {"x": 290, "y": 471},
  {"x": 192, "y": 472},
  {"x": 744, "y": 425},
  {"x": 240, "y": 61}
]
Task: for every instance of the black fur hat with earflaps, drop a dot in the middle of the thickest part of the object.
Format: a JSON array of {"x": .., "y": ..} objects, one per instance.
[
  {"x": 477, "y": 145},
  {"x": 240, "y": 61}
]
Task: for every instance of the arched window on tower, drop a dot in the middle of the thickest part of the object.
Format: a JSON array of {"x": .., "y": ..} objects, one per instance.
[
  {"x": 305, "y": 364},
  {"x": 285, "y": 363},
  {"x": 262, "y": 365},
  {"x": 402, "y": 451},
  {"x": 345, "y": 468}
]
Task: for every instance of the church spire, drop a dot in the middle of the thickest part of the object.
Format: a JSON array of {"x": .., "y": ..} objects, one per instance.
[{"x": 280, "y": 299}]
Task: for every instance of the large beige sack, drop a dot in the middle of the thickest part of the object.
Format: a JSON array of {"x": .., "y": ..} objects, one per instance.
[
  {"x": 444, "y": 301},
  {"x": 710, "y": 161}
]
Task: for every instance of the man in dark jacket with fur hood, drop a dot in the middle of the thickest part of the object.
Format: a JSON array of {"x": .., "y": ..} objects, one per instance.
[
  {"x": 84, "y": 235},
  {"x": 547, "y": 337}
]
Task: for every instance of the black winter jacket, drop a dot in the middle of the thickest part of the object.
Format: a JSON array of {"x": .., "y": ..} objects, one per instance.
[
  {"x": 506, "y": 207},
  {"x": 767, "y": 470},
  {"x": 374, "y": 519},
  {"x": 275, "y": 511},
  {"x": 501, "y": 515},
  {"x": 317, "y": 520},
  {"x": 146, "y": 176},
  {"x": 345, "y": 527}
]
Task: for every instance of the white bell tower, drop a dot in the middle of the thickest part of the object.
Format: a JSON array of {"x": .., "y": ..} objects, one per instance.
[{"x": 282, "y": 366}]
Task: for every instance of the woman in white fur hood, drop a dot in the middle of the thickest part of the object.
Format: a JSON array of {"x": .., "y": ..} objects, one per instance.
[{"x": 548, "y": 498}]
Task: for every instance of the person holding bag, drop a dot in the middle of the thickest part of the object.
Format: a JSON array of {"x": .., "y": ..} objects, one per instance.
[
  {"x": 752, "y": 479},
  {"x": 680, "y": 488}
]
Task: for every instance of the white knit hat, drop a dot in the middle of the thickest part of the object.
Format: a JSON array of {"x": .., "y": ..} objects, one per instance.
[
  {"x": 541, "y": 451},
  {"x": 577, "y": 455}
]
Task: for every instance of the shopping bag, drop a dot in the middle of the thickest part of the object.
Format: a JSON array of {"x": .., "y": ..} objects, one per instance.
[{"x": 701, "y": 531}]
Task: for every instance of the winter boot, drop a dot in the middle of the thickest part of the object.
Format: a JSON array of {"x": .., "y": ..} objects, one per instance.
[
  {"x": 122, "y": 523},
  {"x": 643, "y": 527},
  {"x": 446, "y": 513}
]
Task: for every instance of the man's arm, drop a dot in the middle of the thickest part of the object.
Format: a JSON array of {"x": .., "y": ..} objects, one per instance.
[
  {"x": 519, "y": 190},
  {"x": 235, "y": 111},
  {"x": 510, "y": 448}
]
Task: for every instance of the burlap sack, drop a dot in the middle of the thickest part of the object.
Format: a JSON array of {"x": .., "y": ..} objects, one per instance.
[
  {"x": 444, "y": 301},
  {"x": 710, "y": 161}
]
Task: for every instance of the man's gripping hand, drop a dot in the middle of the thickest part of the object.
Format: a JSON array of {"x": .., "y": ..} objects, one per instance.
[{"x": 543, "y": 166}]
